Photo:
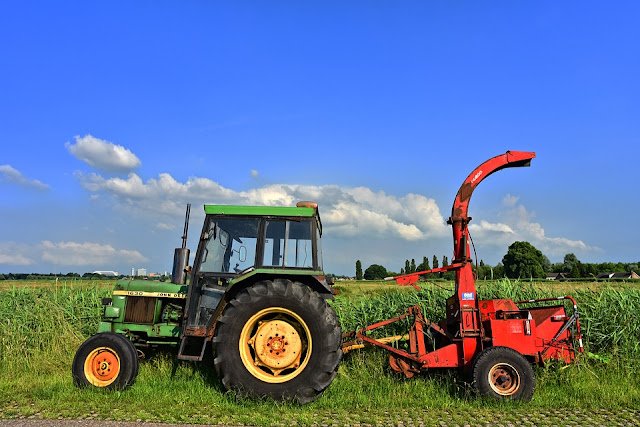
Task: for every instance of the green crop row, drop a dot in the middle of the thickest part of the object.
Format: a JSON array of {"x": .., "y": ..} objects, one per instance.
[{"x": 41, "y": 326}]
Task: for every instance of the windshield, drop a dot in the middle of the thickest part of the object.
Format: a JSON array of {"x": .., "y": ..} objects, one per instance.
[{"x": 230, "y": 245}]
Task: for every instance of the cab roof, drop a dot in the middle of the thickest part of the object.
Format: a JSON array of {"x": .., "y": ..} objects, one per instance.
[{"x": 284, "y": 211}]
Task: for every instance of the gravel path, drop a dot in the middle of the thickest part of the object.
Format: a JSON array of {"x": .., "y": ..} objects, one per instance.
[{"x": 552, "y": 417}]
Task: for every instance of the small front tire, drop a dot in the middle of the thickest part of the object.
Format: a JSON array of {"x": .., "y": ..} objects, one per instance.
[{"x": 105, "y": 360}]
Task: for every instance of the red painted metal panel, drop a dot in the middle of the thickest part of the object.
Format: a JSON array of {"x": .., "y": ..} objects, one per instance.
[
  {"x": 488, "y": 308},
  {"x": 445, "y": 357},
  {"x": 512, "y": 333}
]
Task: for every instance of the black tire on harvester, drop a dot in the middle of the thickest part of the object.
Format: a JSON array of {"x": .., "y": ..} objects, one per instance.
[
  {"x": 278, "y": 339},
  {"x": 503, "y": 373},
  {"x": 105, "y": 360}
]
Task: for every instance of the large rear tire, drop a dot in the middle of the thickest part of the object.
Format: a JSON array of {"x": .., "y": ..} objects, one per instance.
[
  {"x": 503, "y": 373},
  {"x": 278, "y": 339},
  {"x": 105, "y": 360}
]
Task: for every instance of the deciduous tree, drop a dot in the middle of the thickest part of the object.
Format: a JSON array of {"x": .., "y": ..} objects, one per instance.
[
  {"x": 523, "y": 260},
  {"x": 375, "y": 272}
]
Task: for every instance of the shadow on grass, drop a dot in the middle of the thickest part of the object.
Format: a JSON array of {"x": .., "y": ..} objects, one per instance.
[{"x": 203, "y": 369}]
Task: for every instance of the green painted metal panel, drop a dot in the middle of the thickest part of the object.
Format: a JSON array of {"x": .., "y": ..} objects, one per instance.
[
  {"x": 169, "y": 331},
  {"x": 105, "y": 327},
  {"x": 111, "y": 312},
  {"x": 285, "y": 211}
]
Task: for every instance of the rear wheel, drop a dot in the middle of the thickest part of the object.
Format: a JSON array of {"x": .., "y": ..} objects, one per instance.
[
  {"x": 503, "y": 373},
  {"x": 105, "y": 360},
  {"x": 278, "y": 339}
]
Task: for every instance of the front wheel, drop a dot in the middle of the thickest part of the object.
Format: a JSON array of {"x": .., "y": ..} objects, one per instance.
[
  {"x": 105, "y": 360},
  {"x": 503, "y": 373},
  {"x": 278, "y": 339}
]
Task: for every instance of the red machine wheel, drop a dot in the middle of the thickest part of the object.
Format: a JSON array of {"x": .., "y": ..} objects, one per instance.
[{"x": 503, "y": 373}]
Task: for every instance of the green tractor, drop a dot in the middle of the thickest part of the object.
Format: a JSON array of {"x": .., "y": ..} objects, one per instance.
[{"x": 256, "y": 296}]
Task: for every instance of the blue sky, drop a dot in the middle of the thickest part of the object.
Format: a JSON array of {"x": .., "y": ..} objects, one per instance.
[{"x": 114, "y": 115}]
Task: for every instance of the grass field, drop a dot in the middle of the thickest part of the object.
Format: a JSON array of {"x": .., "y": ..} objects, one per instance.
[{"x": 43, "y": 323}]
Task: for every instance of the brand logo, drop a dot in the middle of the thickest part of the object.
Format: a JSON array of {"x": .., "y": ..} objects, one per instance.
[
  {"x": 476, "y": 176},
  {"x": 467, "y": 296}
]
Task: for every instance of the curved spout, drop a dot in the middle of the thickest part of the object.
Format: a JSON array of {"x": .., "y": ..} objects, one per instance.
[{"x": 459, "y": 211}]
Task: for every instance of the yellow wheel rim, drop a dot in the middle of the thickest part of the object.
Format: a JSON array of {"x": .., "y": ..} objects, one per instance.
[
  {"x": 504, "y": 379},
  {"x": 275, "y": 345},
  {"x": 102, "y": 366}
]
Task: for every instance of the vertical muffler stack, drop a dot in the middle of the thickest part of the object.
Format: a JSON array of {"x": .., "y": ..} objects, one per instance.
[{"x": 181, "y": 255}]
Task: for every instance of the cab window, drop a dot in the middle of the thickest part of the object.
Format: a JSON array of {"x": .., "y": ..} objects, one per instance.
[{"x": 288, "y": 243}]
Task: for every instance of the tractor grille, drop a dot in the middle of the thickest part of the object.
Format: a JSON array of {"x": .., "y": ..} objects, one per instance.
[{"x": 140, "y": 310}]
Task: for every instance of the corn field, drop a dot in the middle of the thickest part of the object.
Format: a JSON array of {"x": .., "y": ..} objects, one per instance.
[{"x": 43, "y": 326}]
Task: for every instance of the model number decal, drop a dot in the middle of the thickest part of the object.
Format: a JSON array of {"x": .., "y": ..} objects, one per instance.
[{"x": 150, "y": 294}]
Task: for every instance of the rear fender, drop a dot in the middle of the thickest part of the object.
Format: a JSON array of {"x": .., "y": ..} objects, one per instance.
[{"x": 317, "y": 283}]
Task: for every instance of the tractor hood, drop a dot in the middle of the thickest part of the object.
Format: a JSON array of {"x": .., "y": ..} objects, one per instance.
[{"x": 148, "y": 288}]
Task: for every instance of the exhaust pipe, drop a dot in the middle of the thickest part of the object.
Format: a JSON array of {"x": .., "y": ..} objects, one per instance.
[{"x": 181, "y": 255}]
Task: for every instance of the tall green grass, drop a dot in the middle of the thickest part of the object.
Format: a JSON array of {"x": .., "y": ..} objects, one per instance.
[{"x": 43, "y": 326}]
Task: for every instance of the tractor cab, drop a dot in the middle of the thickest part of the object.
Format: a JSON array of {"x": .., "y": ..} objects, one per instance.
[{"x": 236, "y": 241}]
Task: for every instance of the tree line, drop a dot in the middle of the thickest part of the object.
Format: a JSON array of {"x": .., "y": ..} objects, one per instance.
[
  {"x": 41, "y": 276},
  {"x": 522, "y": 261},
  {"x": 37, "y": 276}
]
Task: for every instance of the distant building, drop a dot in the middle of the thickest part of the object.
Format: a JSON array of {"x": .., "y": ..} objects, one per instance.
[
  {"x": 556, "y": 276},
  {"x": 623, "y": 275},
  {"x": 630, "y": 275},
  {"x": 107, "y": 273},
  {"x": 142, "y": 272}
]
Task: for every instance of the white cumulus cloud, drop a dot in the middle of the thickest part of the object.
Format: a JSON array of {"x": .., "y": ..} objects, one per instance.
[
  {"x": 344, "y": 210},
  {"x": 519, "y": 225},
  {"x": 347, "y": 212},
  {"x": 86, "y": 253},
  {"x": 11, "y": 175},
  {"x": 12, "y": 253},
  {"x": 489, "y": 227},
  {"x": 102, "y": 154}
]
